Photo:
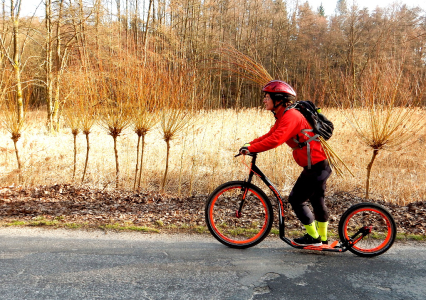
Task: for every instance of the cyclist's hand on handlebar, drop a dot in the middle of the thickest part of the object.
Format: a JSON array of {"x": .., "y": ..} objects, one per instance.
[{"x": 244, "y": 149}]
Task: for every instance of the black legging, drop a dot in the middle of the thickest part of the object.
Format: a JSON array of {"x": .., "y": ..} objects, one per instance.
[{"x": 311, "y": 186}]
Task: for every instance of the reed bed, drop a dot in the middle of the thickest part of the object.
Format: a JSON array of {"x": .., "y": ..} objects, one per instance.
[{"x": 203, "y": 157}]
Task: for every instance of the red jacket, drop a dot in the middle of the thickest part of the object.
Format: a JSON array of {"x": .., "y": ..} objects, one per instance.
[{"x": 286, "y": 127}]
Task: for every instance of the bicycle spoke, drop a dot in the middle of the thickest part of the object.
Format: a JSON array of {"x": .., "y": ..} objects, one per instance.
[
  {"x": 369, "y": 229},
  {"x": 237, "y": 224}
]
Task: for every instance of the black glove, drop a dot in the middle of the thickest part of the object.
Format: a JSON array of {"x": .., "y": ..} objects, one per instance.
[{"x": 244, "y": 149}]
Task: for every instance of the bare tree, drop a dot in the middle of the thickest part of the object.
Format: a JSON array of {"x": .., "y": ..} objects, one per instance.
[
  {"x": 60, "y": 37},
  {"x": 14, "y": 56}
]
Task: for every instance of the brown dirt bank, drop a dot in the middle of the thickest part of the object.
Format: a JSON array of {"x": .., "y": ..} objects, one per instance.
[{"x": 72, "y": 206}]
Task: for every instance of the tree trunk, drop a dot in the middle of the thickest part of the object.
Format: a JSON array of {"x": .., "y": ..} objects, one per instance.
[
  {"x": 18, "y": 159},
  {"x": 163, "y": 184},
  {"x": 141, "y": 164},
  {"x": 75, "y": 155},
  {"x": 58, "y": 62},
  {"x": 137, "y": 162},
  {"x": 48, "y": 65},
  {"x": 181, "y": 169},
  {"x": 118, "y": 2},
  {"x": 147, "y": 23},
  {"x": 136, "y": 23},
  {"x": 369, "y": 167},
  {"x": 191, "y": 177},
  {"x": 16, "y": 62},
  {"x": 126, "y": 26},
  {"x": 82, "y": 30},
  {"x": 97, "y": 21},
  {"x": 87, "y": 156},
  {"x": 117, "y": 167}
]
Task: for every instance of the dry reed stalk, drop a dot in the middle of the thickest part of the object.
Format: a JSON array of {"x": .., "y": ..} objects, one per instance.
[
  {"x": 240, "y": 64},
  {"x": 392, "y": 116},
  {"x": 334, "y": 159}
]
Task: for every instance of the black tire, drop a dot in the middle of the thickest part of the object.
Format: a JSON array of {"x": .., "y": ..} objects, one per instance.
[
  {"x": 245, "y": 231},
  {"x": 376, "y": 219}
]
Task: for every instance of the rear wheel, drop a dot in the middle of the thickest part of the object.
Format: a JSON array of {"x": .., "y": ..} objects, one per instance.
[
  {"x": 234, "y": 227},
  {"x": 368, "y": 229}
]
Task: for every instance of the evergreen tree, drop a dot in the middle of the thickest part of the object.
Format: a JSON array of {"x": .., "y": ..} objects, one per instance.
[{"x": 321, "y": 11}]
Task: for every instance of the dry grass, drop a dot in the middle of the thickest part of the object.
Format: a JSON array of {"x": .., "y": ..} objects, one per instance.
[{"x": 202, "y": 157}]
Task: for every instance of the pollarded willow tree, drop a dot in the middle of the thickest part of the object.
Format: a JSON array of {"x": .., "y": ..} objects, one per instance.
[
  {"x": 178, "y": 109},
  {"x": 9, "y": 114},
  {"x": 144, "y": 96},
  {"x": 144, "y": 118},
  {"x": 14, "y": 124},
  {"x": 89, "y": 105},
  {"x": 115, "y": 118},
  {"x": 173, "y": 122},
  {"x": 143, "y": 121},
  {"x": 72, "y": 117},
  {"x": 385, "y": 114}
]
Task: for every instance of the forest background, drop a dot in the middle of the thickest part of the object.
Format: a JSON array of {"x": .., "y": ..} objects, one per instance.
[{"x": 161, "y": 79}]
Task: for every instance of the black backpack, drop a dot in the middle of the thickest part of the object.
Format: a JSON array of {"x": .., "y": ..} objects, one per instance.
[{"x": 319, "y": 123}]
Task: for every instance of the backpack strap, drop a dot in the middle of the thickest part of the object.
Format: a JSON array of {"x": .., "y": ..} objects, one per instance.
[{"x": 307, "y": 143}]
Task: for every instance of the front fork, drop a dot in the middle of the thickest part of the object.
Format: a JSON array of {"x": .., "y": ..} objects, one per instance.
[
  {"x": 244, "y": 191},
  {"x": 243, "y": 200}
]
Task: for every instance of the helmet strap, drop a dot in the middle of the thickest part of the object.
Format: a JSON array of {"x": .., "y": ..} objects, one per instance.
[{"x": 277, "y": 104}]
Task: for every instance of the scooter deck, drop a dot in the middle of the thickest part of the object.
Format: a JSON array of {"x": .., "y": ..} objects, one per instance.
[{"x": 332, "y": 247}]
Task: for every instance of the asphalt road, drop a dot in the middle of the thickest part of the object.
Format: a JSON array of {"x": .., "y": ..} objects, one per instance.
[{"x": 68, "y": 264}]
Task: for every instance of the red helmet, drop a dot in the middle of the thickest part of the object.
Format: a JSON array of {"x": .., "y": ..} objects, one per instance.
[{"x": 278, "y": 86}]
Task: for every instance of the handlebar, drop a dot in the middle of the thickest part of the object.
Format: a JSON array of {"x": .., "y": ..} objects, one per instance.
[{"x": 252, "y": 154}]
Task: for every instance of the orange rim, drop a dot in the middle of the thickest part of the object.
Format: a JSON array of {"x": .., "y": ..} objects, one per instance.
[
  {"x": 388, "y": 224},
  {"x": 212, "y": 222}
]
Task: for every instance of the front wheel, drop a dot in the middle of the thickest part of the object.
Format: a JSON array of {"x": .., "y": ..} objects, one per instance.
[
  {"x": 368, "y": 229},
  {"x": 239, "y": 214}
]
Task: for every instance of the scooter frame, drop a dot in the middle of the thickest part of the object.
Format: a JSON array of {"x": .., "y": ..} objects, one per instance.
[{"x": 336, "y": 246}]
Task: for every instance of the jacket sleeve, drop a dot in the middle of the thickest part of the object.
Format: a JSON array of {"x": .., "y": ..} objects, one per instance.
[
  {"x": 285, "y": 128},
  {"x": 271, "y": 131}
]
